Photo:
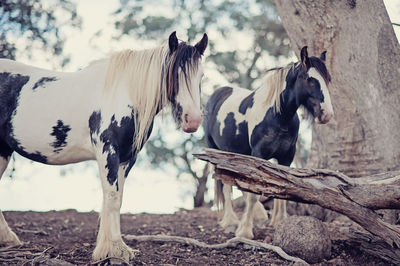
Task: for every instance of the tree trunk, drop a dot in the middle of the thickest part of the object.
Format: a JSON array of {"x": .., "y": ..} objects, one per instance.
[
  {"x": 198, "y": 198},
  {"x": 363, "y": 58}
]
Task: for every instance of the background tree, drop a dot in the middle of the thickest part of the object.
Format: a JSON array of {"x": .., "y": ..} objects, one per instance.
[
  {"x": 364, "y": 60},
  {"x": 221, "y": 21},
  {"x": 225, "y": 22},
  {"x": 36, "y": 25}
]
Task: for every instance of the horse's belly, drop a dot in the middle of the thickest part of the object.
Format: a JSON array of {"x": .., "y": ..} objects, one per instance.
[
  {"x": 72, "y": 155},
  {"x": 50, "y": 139},
  {"x": 46, "y": 151}
]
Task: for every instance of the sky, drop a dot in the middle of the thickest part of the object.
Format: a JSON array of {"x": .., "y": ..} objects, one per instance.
[{"x": 42, "y": 188}]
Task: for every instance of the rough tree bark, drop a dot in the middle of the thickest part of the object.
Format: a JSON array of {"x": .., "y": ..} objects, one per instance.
[{"x": 363, "y": 57}]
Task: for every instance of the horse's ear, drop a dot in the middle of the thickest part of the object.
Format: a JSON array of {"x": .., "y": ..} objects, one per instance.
[
  {"x": 202, "y": 44},
  {"x": 323, "y": 56},
  {"x": 173, "y": 42},
  {"x": 305, "y": 61}
]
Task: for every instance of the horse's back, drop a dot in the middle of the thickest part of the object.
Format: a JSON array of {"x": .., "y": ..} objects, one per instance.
[{"x": 224, "y": 125}]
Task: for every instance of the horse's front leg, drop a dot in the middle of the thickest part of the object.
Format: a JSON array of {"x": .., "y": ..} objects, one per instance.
[
  {"x": 7, "y": 236},
  {"x": 109, "y": 240}
]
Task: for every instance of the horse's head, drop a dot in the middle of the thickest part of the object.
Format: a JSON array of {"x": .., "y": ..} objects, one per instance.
[
  {"x": 312, "y": 83},
  {"x": 183, "y": 80}
]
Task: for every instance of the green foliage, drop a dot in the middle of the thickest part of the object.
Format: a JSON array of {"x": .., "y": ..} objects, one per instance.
[{"x": 38, "y": 23}]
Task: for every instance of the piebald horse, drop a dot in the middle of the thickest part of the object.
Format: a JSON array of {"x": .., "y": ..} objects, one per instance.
[
  {"x": 264, "y": 123},
  {"x": 104, "y": 112}
]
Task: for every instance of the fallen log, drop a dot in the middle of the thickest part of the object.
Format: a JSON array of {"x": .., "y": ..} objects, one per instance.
[{"x": 355, "y": 198}]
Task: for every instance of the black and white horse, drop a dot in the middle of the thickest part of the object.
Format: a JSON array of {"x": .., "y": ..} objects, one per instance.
[
  {"x": 264, "y": 123},
  {"x": 104, "y": 112}
]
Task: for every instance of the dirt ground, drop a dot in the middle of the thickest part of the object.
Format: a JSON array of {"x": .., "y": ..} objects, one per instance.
[{"x": 63, "y": 237}]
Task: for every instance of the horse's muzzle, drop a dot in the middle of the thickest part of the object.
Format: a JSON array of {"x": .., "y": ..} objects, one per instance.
[
  {"x": 324, "y": 118},
  {"x": 191, "y": 124}
]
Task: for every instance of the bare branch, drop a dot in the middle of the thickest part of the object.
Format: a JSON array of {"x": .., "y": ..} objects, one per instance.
[{"x": 230, "y": 243}]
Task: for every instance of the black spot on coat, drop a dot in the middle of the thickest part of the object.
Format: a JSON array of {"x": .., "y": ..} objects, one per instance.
[
  {"x": 60, "y": 131},
  {"x": 42, "y": 82},
  {"x": 5, "y": 150},
  {"x": 94, "y": 126},
  {"x": 10, "y": 89},
  {"x": 246, "y": 103},
  {"x": 118, "y": 144}
]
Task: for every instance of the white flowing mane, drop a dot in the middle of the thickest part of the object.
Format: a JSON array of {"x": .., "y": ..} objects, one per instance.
[
  {"x": 142, "y": 73},
  {"x": 274, "y": 82}
]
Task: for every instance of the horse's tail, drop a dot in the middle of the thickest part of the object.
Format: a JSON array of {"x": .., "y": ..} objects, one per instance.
[{"x": 218, "y": 193}]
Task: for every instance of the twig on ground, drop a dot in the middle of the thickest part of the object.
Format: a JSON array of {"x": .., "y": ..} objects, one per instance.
[
  {"x": 230, "y": 243},
  {"x": 35, "y": 232},
  {"x": 15, "y": 254},
  {"x": 15, "y": 247}
]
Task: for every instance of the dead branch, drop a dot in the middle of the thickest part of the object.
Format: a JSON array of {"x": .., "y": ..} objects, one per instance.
[
  {"x": 355, "y": 198},
  {"x": 230, "y": 243},
  {"x": 374, "y": 246}
]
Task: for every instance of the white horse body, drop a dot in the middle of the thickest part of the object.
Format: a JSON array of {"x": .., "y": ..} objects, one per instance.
[{"x": 103, "y": 112}]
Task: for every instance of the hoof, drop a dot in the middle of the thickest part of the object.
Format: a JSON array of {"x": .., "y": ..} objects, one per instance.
[
  {"x": 229, "y": 229},
  {"x": 9, "y": 238},
  {"x": 246, "y": 232},
  {"x": 228, "y": 222},
  {"x": 114, "y": 249}
]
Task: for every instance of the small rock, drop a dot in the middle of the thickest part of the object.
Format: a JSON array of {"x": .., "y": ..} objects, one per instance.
[{"x": 304, "y": 237}]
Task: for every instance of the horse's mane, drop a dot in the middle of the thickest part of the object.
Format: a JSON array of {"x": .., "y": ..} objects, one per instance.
[
  {"x": 274, "y": 82},
  {"x": 140, "y": 72},
  {"x": 151, "y": 76},
  {"x": 319, "y": 65}
]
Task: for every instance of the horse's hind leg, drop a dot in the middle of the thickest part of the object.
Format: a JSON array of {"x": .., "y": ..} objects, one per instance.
[
  {"x": 279, "y": 210},
  {"x": 260, "y": 213},
  {"x": 229, "y": 220},
  {"x": 245, "y": 228},
  {"x": 7, "y": 236}
]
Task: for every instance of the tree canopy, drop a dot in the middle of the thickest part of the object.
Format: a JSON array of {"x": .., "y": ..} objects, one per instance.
[
  {"x": 224, "y": 21},
  {"x": 28, "y": 24}
]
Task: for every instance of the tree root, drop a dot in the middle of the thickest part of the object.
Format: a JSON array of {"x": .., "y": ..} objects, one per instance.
[{"x": 230, "y": 243}]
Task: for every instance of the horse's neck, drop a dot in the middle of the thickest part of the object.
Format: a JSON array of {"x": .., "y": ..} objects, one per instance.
[{"x": 289, "y": 104}]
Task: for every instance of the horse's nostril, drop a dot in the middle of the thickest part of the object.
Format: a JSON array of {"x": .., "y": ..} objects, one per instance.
[{"x": 186, "y": 118}]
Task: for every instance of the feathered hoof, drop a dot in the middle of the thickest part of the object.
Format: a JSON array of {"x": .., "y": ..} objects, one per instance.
[
  {"x": 273, "y": 223},
  {"x": 245, "y": 231},
  {"x": 114, "y": 249},
  {"x": 229, "y": 222},
  {"x": 9, "y": 238}
]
